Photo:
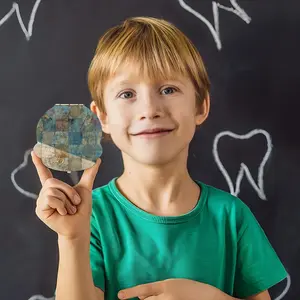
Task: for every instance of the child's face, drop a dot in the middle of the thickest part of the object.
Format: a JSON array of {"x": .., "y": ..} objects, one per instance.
[{"x": 137, "y": 105}]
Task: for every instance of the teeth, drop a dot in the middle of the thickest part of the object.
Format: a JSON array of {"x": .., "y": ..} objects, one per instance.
[{"x": 244, "y": 170}]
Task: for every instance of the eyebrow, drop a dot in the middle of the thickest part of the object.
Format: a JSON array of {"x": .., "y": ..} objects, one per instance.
[
  {"x": 118, "y": 84},
  {"x": 123, "y": 82}
]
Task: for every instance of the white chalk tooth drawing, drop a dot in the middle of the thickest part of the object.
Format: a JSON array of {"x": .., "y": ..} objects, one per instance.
[
  {"x": 16, "y": 170},
  {"x": 15, "y": 8},
  {"x": 40, "y": 297},
  {"x": 259, "y": 187},
  {"x": 215, "y": 30},
  {"x": 74, "y": 176},
  {"x": 285, "y": 291}
]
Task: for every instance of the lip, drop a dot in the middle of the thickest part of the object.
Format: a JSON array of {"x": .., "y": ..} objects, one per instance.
[
  {"x": 154, "y": 130},
  {"x": 154, "y": 134}
]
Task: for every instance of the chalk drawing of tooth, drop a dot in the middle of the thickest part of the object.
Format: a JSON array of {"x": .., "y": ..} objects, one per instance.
[
  {"x": 15, "y": 9},
  {"x": 287, "y": 287},
  {"x": 215, "y": 29},
  {"x": 73, "y": 175},
  {"x": 40, "y": 297},
  {"x": 244, "y": 170}
]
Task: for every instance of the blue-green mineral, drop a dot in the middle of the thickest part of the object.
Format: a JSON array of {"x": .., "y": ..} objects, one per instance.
[{"x": 68, "y": 138}]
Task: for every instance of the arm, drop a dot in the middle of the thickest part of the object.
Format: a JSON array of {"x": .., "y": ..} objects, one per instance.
[
  {"x": 74, "y": 279},
  {"x": 100, "y": 294},
  {"x": 261, "y": 296}
]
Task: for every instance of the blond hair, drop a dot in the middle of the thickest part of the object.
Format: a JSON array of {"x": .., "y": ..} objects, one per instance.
[{"x": 157, "y": 47}]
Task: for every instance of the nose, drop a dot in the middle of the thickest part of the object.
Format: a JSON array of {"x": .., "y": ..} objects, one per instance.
[{"x": 150, "y": 106}]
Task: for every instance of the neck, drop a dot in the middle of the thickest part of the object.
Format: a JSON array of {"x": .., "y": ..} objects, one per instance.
[{"x": 166, "y": 189}]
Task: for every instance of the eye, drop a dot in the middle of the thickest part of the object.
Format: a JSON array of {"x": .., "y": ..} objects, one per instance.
[
  {"x": 168, "y": 89},
  {"x": 125, "y": 93}
]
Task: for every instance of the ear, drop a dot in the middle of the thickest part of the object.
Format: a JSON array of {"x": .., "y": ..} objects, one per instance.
[
  {"x": 203, "y": 111},
  {"x": 102, "y": 116}
]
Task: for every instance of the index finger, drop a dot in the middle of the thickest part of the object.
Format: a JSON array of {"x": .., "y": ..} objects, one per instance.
[
  {"x": 142, "y": 290},
  {"x": 43, "y": 172}
]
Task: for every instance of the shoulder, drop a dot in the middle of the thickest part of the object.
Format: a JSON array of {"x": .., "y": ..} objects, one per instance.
[
  {"x": 220, "y": 199},
  {"x": 226, "y": 208}
]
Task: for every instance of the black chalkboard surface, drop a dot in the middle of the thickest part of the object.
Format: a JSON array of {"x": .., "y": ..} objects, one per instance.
[{"x": 249, "y": 145}]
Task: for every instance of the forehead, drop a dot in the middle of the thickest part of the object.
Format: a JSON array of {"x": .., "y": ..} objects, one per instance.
[{"x": 132, "y": 73}]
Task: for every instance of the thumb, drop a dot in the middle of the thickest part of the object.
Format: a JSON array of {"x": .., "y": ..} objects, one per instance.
[{"x": 89, "y": 175}]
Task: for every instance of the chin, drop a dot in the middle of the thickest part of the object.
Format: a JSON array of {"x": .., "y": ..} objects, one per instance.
[
  {"x": 155, "y": 155},
  {"x": 155, "y": 159}
]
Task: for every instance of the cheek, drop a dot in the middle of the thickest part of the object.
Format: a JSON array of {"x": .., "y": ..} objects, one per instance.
[
  {"x": 187, "y": 126},
  {"x": 186, "y": 117},
  {"x": 119, "y": 129},
  {"x": 118, "y": 118}
]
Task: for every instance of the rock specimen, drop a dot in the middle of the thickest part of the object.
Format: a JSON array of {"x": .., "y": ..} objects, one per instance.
[{"x": 68, "y": 138}]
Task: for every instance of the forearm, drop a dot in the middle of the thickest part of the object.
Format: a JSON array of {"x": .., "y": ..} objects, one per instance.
[
  {"x": 74, "y": 279},
  {"x": 260, "y": 296},
  {"x": 220, "y": 295},
  {"x": 227, "y": 297},
  {"x": 224, "y": 296}
]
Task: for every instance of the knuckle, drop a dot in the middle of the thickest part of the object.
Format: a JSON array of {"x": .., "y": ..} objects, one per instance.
[
  {"x": 48, "y": 191},
  {"x": 54, "y": 192},
  {"x": 63, "y": 200},
  {"x": 50, "y": 181},
  {"x": 48, "y": 199}
]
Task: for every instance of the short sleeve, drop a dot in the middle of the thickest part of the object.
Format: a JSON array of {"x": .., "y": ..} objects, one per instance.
[
  {"x": 257, "y": 267},
  {"x": 96, "y": 255}
]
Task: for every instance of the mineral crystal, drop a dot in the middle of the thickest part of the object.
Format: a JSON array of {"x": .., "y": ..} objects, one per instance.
[{"x": 68, "y": 138}]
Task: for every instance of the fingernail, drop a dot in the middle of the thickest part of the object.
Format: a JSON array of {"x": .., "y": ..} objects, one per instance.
[
  {"x": 73, "y": 209},
  {"x": 77, "y": 199}
]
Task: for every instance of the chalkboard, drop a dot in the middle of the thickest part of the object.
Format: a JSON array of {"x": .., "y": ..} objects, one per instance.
[{"x": 248, "y": 146}]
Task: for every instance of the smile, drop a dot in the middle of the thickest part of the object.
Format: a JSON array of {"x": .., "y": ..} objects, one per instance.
[{"x": 154, "y": 134}]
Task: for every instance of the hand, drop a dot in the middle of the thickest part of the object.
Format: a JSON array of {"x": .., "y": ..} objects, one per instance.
[
  {"x": 57, "y": 206},
  {"x": 174, "y": 289}
]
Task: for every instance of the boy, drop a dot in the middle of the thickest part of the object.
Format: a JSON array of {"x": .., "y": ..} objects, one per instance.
[{"x": 155, "y": 232}]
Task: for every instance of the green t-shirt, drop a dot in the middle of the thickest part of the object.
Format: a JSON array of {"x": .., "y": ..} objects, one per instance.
[{"x": 219, "y": 242}]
